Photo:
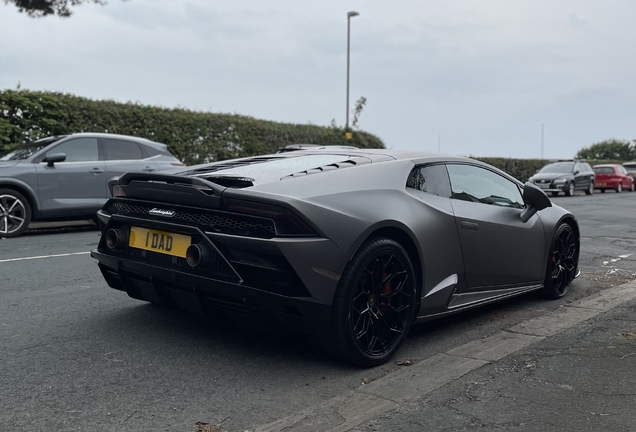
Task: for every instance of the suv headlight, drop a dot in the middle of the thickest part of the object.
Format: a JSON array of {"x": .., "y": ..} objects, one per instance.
[{"x": 560, "y": 181}]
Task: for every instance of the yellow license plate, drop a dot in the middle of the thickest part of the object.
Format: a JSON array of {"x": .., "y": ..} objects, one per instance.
[
  {"x": 600, "y": 184},
  {"x": 159, "y": 241}
]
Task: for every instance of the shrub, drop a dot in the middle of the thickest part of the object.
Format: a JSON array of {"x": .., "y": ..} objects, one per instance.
[{"x": 194, "y": 137}]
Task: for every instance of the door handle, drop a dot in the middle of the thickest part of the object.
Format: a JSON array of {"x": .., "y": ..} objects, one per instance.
[
  {"x": 97, "y": 170},
  {"x": 470, "y": 226},
  {"x": 149, "y": 169}
]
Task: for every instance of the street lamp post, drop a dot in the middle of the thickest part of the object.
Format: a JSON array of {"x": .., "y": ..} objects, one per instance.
[{"x": 349, "y": 16}]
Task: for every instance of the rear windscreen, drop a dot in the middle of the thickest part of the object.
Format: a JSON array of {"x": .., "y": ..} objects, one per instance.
[{"x": 604, "y": 170}]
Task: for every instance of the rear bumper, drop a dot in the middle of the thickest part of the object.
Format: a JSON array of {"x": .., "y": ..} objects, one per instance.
[
  {"x": 613, "y": 184},
  {"x": 286, "y": 284},
  {"x": 204, "y": 296}
]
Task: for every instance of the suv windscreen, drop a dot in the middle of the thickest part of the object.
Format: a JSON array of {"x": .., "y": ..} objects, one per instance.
[
  {"x": 27, "y": 150},
  {"x": 560, "y": 167}
]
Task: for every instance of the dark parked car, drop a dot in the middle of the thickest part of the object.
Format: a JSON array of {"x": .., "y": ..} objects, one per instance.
[
  {"x": 66, "y": 177},
  {"x": 348, "y": 246},
  {"x": 631, "y": 168},
  {"x": 567, "y": 177},
  {"x": 614, "y": 177}
]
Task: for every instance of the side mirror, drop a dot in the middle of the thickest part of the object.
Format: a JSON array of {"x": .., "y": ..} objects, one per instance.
[
  {"x": 535, "y": 200},
  {"x": 576, "y": 172},
  {"x": 54, "y": 157}
]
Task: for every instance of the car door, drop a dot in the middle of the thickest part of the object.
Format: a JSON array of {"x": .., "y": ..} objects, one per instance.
[
  {"x": 627, "y": 179},
  {"x": 581, "y": 177},
  {"x": 123, "y": 156},
  {"x": 433, "y": 223},
  {"x": 76, "y": 186},
  {"x": 499, "y": 250}
]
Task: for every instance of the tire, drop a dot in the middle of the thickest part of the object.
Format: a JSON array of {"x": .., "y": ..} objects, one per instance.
[
  {"x": 374, "y": 305},
  {"x": 631, "y": 189},
  {"x": 554, "y": 194},
  {"x": 15, "y": 213},
  {"x": 590, "y": 189},
  {"x": 562, "y": 262},
  {"x": 570, "y": 190},
  {"x": 619, "y": 188}
]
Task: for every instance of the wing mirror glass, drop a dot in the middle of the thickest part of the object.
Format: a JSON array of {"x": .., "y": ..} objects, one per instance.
[
  {"x": 576, "y": 172},
  {"x": 53, "y": 158},
  {"x": 535, "y": 200}
]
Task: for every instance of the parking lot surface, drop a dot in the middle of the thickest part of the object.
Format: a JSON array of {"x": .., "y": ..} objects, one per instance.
[{"x": 77, "y": 355}]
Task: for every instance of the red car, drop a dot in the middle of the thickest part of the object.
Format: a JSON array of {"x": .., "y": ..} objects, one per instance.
[{"x": 613, "y": 176}]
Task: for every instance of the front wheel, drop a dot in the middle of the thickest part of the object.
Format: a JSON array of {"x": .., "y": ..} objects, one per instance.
[
  {"x": 590, "y": 189},
  {"x": 562, "y": 262},
  {"x": 374, "y": 304},
  {"x": 15, "y": 213},
  {"x": 570, "y": 190},
  {"x": 631, "y": 189},
  {"x": 619, "y": 188}
]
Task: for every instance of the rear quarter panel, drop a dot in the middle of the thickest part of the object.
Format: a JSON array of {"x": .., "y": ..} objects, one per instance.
[{"x": 349, "y": 205}]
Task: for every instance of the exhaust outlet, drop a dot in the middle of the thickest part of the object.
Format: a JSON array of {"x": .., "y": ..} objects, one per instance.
[
  {"x": 116, "y": 238},
  {"x": 199, "y": 254}
]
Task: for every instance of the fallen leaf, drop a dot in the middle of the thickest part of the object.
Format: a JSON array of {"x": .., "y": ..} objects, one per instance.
[{"x": 207, "y": 427}]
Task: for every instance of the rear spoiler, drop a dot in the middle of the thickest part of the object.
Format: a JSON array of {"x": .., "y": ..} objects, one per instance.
[{"x": 169, "y": 189}]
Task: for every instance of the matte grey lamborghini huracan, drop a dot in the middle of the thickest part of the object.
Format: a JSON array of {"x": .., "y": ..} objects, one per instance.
[{"x": 349, "y": 246}]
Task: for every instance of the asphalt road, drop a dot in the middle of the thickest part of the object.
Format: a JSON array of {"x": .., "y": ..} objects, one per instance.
[{"x": 77, "y": 355}]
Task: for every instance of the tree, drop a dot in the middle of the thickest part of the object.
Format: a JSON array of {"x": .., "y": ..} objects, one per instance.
[
  {"x": 609, "y": 149},
  {"x": 360, "y": 103},
  {"x": 40, "y": 8}
]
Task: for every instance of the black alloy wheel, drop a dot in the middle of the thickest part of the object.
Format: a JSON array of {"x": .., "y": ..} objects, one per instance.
[
  {"x": 619, "y": 188},
  {"x": 570, "y": 190},
  {"x": 590, "y": 189},
  {"x": 15, "y": 213},
  {"x": 374, "y": 305},
  {"x": 562, "y": 262}
]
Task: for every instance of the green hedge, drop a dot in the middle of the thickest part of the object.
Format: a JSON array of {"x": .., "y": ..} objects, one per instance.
[
  {"x": 522, "y": 169},
  {"x": 194, "y": 137}
]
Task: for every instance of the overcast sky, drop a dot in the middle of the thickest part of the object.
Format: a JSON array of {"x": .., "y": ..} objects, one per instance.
[{"x": 484, "y": 75}]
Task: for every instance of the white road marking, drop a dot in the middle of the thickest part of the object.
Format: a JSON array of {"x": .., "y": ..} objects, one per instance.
[{"x": 43, "y": 256}]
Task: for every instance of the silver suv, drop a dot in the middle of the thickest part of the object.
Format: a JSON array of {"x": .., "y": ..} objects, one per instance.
[{"x": 66, "y": 177}]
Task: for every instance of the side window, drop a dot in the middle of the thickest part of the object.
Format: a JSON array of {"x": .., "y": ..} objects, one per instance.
[
  {"x": 431, "y": 179},
  {"x": 577, "y": 167},
  {"x": 121, "y": 150},
  {"x": 78, "y": 150},
  {"x": 587, "y": 167},
  {"x": 475, "y": 184}
]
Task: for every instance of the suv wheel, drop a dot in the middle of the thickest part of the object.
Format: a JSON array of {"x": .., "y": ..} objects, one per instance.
[
  {"x": 590, "y": 190},
  {"x": 15, "y": 213},
  {"x": 570, "y": 190}
]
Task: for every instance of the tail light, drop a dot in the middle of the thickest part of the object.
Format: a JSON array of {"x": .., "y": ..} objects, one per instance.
[
  {"x": 116, "y": 190},
  {"x": 287, "y": 223}
]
